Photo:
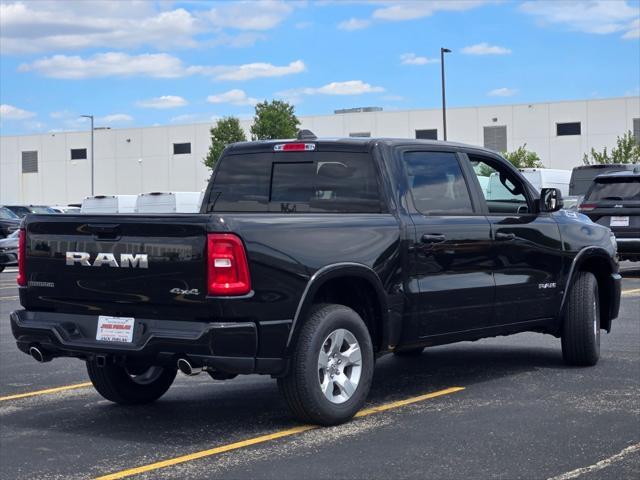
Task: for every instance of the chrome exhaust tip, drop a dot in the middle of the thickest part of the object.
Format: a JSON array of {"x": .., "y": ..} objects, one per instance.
[
  {"x": 185, "y": 367},
  {"x": 38, "y": 356}
]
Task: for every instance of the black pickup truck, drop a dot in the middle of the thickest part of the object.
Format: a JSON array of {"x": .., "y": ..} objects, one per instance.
[{"x": 309, "y": 259}]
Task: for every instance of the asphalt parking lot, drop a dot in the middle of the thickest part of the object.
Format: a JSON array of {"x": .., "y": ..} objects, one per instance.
[{"x": 503, "y": 408}]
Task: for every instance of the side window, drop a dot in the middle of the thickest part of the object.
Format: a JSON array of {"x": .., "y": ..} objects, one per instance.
[
  {"x": 502, "y": 190},
  {"x": 436, "y": 183}
]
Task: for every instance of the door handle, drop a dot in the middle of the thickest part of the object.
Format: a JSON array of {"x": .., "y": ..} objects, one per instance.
[
  {"x": 433, "y": 238},
  {"x": 505, "y": 236}
]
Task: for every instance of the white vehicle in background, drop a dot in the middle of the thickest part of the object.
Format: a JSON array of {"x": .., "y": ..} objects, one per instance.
[
  {"x": 169, "y": 202},
  {"x": 548, "y": 178},
  {"x": 65, "y": 208},
  {"x": 109, "y": 204}
]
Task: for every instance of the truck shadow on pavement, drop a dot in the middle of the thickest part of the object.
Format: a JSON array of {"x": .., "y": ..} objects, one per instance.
[{"x": 194, "y": 412}]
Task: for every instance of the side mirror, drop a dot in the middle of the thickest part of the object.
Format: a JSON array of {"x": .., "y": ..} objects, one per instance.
[{"x": 550, "y": 200}]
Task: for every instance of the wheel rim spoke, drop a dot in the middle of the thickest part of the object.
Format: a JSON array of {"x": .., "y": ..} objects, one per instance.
[{"x": 339, "y": 366}]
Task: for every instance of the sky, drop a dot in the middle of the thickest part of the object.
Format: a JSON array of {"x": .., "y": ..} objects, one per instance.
[{"x": 140, "y": 63}]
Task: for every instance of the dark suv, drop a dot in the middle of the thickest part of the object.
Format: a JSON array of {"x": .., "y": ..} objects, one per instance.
[{"x": 613, "y": 200}]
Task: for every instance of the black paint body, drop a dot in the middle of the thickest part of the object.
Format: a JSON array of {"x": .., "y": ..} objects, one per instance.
[{"x": 468, "y": 287}]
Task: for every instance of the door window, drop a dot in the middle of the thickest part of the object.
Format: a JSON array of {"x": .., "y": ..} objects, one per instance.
[
  {"x": 503, "y": 191},
  {"x": 437, "y": 184}
]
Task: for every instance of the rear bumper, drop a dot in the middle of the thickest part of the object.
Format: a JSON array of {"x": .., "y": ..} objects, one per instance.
[
  {"x": 628, "y": 246},
  {"x": 229, "y": 347}
]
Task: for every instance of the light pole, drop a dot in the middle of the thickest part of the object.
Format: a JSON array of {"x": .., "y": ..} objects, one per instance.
[
  {"x": 444, "y": 104},
  {"x": 91, "y": 118}
]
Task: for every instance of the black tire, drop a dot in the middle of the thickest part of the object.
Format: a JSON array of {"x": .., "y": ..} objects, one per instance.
[
  {"x": 301, "y": 386},
  {"x": 581, "y": 322},
  {"x": 115, "y": 383},
  {"x": 1, "y": 268},
  {"x": 409, "y": 353}
]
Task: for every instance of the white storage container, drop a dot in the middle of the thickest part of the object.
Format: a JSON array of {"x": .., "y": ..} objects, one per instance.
[
  {"x": 169, "y": 202},
  {"x": 109, "y": 204}
]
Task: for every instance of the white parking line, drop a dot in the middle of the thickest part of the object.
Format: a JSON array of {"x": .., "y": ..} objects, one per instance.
[{"x": 598, "y": 466}]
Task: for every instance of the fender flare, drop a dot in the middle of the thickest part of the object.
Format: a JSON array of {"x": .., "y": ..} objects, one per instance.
[
  {"x": 337, "y": 270},
  {"x": 583, "y": 255}
]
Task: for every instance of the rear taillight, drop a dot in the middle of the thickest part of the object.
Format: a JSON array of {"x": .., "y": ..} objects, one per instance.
[
  {"x": 22, "y": 254},
  {"x": 227, "y": 266},
  {"x": 586, "y": 207}
]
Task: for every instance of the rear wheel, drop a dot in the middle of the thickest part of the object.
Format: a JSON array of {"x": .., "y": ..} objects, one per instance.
[
  {"x": 581, "y": 322},
  {"x": 128, "y": 386},
  {"x": 331, "y": 366}
]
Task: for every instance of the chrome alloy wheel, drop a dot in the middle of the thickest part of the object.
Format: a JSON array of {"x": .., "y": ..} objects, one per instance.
[{"x": 339, "y": 366}]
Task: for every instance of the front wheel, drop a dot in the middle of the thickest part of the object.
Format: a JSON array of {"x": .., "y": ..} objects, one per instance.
[
  {"x": 331, "y": 366},
  {"x": 128, "y": 386},
  {"x": 581, "y": 322}
]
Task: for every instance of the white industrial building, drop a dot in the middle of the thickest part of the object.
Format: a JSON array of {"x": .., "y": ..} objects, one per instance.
[{"x": 54, "y": 168}]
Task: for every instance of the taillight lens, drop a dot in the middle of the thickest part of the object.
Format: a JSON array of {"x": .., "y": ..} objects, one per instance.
[
  {"x": 22, "y": 254},
  {"x": 586, "y": 207},
  {"x": 227, "y": 266},
  {"x": 294, "y": 147}
]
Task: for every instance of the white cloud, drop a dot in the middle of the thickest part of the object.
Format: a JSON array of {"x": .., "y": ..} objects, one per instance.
[
  {"x": 249, "y": 15},
  {"x": 413, "y": 59},
  {"x": 157, "y": 65},
  {"x": 115, "y": 118},
  {"x": 110, "y": 64},
  {"x": 234, "y": 97},
  {"x": 49, "y": 25},
  {"x": 485, "y": 49},
  {"x": 250, "y": 71},
  {"x": 600, "y": 17},
  {"x": 9, "y": 112},
  {"x": 414, "y": 9},
  {"x": 502, "y": 92},
  {"x": 351, "y": 87},
  {"x": 164, "y": 101},
  {"x": 354, "y": 24}
]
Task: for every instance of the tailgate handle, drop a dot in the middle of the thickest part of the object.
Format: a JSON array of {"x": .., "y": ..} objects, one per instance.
[
  {"x": 433, "y": 238},
  {"x": 104, "y": 230}
]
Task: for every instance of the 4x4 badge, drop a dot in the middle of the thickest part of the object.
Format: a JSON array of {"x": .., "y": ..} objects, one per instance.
[{"x": 179, "y": 291}]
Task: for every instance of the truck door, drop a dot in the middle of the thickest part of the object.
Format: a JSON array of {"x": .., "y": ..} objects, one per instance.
[
  {"x": 526, "y": 251},
  {"x": 450, "y": 256}
]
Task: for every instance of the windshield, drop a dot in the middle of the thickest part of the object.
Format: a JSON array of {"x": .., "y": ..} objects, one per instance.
[
  {"x": 38, "y": 209},
  {"x": 615, "y": 189},
  {"x": 6, "y": 213}
]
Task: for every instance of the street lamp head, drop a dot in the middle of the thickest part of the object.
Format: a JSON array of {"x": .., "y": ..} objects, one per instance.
[
  {"x": 86, "y": 116},
  {"x": 445, "y": 50}
]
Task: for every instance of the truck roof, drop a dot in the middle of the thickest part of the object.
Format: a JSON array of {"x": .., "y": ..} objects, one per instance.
[{"x": 361, "y": 144}]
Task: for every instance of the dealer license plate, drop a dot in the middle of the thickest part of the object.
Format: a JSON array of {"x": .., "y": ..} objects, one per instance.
[
  {"x": 115, "y": 329},
  {"x": 619, "y": 222}
]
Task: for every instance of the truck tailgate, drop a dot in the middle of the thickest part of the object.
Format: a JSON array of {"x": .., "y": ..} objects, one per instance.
[{"x": 96, "y": 264}]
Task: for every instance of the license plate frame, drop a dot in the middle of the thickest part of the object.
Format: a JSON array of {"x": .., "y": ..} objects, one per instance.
[
  {"x": 619, "y": 221},
  {"x": 115, "y": 329}
]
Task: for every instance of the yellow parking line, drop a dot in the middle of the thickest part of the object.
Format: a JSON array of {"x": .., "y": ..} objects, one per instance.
[
  {"x": 266, "y": 438},
  {"x": 45, "y": 392},
  {"x": 631, "y": 292}
]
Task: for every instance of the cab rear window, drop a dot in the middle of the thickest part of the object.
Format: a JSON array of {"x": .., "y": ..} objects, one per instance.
[
  {"x": 615, "y": 189},
  {"x": 296, "y": 182}
]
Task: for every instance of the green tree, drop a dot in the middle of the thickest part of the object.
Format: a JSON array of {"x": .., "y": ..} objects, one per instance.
[
  {"x": 275, "y": 119},
  {"x": 627, "y": 150},
  {"x": 523, "y": 158},
  {"x": 226, "y": 130}
]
